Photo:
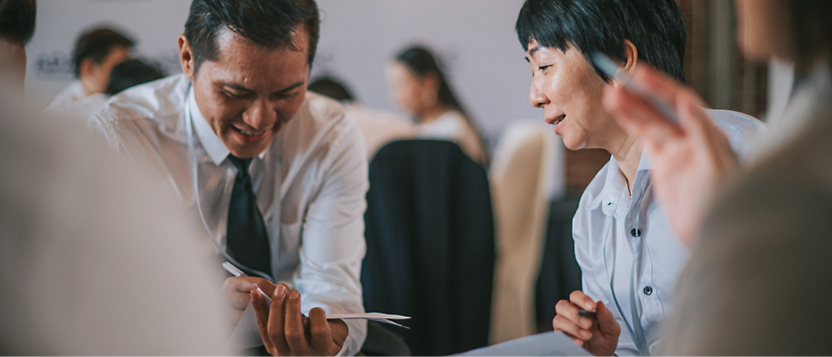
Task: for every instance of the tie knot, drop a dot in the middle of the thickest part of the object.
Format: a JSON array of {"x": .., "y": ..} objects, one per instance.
[{"x": 241, "y": 164}]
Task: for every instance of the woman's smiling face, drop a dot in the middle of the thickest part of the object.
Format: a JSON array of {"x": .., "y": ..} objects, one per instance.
[{"x": 570, "y": 93}]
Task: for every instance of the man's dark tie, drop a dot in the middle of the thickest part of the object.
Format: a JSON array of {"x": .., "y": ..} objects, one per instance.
[{"x": 247, "y": 240}]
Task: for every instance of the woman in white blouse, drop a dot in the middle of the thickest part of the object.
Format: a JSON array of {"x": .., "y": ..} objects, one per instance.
[{"x": 419, "y": 86}]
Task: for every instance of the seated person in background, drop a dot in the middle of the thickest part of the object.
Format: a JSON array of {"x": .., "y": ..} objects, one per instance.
[
  {"x": 126, "y": 74},
  {"x": 378, "y": 128},
  {"x": 277, "y": 175},
  {"x": 629, "y": 256},
  {"x": 96, "y": 53},
  {"x": 420, "y": 88},
  {"x": 131, "y": 73}
]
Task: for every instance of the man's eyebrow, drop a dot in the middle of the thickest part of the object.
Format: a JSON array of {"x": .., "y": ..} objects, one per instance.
[{"x": 293, "y": 86}]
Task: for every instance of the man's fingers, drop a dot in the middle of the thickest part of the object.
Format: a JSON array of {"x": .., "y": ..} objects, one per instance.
[
  {"x": 243, "y": 284},
  {"x": 319, "y": 330},
  {"x": 262, "y": 313},
  {"x": 277, "y": 320},
  {"x": 560, "y": 323},
  {"x": 239, "y": 301},
  {"x": 293, "y": 329},
  {"x": 569, "y": 311}
]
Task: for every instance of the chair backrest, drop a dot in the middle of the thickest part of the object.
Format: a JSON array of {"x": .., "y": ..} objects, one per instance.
[
  {"x": 523, "y": 176},
  {"x": 430, "y": 244}
]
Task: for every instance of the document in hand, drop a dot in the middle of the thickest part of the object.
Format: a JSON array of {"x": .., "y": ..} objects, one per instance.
[
  {"x": 542, "y": 344},
  {"x": 247, "y": 333}
]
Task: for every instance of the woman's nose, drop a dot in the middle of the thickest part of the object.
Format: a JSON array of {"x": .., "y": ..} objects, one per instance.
[{"x": 537, "y": 97}]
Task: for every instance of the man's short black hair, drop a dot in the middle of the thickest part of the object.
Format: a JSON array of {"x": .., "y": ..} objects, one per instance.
[
  {"x": 17, "y": 20},
  {"x": 270, "y": 24},
  {"x": 131, "y": 72},
  {"x": 97, "y": 44},
  {"x": 656, "y": 27}
]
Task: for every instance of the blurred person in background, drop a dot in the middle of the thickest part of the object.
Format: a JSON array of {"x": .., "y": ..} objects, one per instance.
[
  {"x": 377, "y": 128},
  {"x": 74, "y": 223},
  {"x": 129, "y": 73},
  {"x": 760, "y": 233},
  {"x": 17, "y": 23},
  {"x": 628, "y": 254},
  {"x": 278, "y": 175},
  {"x": 96, "y": 52},
  {"x": 420, "y": 88}
]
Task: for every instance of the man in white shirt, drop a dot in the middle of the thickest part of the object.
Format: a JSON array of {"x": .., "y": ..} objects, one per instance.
[
  {"x": 280, "y": 174},
  {"x": 96, "y": 53}
]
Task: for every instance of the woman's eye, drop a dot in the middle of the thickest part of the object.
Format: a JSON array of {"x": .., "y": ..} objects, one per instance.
[{"x": 542, "y": 68}]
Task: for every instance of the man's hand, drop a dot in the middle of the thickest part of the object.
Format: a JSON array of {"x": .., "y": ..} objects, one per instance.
[
  {"x": 238, "y": 292},
  {"x": 599, "y": 337},
  {"x": 286, "y": 332},
  {"x": 689, "y": 159}
]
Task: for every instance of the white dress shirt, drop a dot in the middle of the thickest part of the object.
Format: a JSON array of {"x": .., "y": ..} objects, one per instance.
[
  {"x": 452, "y": 126},
  {"x": 618, "y": 236},
  {"x": 310, "y": 185},
  {"x": 73, "y": 92}
]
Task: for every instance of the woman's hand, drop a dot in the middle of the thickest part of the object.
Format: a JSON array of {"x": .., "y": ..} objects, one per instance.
[
  {"x": 599, "y": 337},
  {"x": 689, "y": 159}
]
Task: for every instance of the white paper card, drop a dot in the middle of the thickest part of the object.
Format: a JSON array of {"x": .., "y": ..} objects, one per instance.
[{"x": 542, "y": 344}]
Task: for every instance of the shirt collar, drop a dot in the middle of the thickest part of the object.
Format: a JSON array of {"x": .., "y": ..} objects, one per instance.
[
  {"x": 615, "y": 185},
  {"x": 210, "y": 141}
]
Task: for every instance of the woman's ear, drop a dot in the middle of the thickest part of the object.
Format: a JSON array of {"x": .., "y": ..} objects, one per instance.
[{"x": 630, "y": 56}]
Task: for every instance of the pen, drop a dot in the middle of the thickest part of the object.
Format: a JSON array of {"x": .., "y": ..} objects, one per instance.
[
  {"x": 589, "y": 314},
  {"x": 237, "y": 272},
  {"x": 610, "y": 68}
]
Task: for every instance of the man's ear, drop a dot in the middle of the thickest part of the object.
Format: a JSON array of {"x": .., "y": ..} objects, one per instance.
[{"x": 186, "y": 57}]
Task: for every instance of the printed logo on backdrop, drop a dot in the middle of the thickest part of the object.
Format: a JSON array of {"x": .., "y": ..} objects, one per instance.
[{"x": 58, "y": 66}]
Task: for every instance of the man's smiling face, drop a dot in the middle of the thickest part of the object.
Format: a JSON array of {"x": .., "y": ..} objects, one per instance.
[{"x": 250, "y": 92}]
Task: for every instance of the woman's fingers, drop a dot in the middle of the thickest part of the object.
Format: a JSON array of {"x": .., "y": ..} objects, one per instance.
[{"x": 560, "y": 323}]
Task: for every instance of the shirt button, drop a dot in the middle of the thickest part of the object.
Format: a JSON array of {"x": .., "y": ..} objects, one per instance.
[
  {"x": 648, "y": 290},
  {"x": 635, "y": 232}
]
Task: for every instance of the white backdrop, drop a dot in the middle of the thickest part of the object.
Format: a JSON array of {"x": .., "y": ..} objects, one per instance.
[{"x": 474, "y": 38}]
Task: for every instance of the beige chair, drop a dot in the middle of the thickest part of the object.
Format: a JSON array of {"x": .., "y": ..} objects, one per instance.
[{"x": 527, "y": 171}]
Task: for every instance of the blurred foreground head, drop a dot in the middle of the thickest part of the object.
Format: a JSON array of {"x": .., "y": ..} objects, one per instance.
[
  {"x": 17, "y": 25},
  {"x": 795, "y": 31}
]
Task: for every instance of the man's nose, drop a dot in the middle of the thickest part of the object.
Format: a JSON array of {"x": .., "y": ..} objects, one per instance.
[{"x": 259, "y": 115}]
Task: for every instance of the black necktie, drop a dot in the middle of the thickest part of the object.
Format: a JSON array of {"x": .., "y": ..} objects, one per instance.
[{"x": 247, "y": 240}]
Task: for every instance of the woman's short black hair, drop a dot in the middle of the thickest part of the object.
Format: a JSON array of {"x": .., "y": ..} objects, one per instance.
[
  {"x": 269, "y": 24},
  {"x": 17, "y": 20},
  {"x": 96, "y": 44},
  {"x": 656, "y": 27}
]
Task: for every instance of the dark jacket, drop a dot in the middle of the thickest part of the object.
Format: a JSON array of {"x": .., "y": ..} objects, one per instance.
[{"x": 430, "y": 245}]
